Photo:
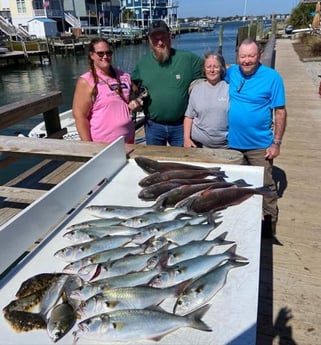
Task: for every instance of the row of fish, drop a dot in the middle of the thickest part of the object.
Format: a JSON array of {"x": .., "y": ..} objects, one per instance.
[{"x": 125, "y": 263}]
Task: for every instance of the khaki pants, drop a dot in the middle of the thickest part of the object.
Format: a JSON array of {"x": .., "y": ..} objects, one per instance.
[{"x": 256, "y": 157}]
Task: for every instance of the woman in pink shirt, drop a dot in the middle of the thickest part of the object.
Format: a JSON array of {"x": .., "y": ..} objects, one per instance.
[{"x": 101, "y": 106}]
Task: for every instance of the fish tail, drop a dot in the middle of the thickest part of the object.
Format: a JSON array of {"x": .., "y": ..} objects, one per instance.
[
  {"x": 241, "y": 183},
  {"x": 233, "y": 256},
  {"x": 222, "y": 240},
  {"x": 196, "y": 316}
]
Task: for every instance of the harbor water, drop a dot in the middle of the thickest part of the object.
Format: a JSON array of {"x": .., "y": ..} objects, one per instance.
[{"x": 24, "y": 81}]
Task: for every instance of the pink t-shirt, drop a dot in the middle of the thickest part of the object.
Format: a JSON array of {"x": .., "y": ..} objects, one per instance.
[{"x": 109, "y": 117}]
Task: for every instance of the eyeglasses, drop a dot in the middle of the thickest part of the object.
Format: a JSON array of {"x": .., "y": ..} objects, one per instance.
[{"x": 102, "y": 54}]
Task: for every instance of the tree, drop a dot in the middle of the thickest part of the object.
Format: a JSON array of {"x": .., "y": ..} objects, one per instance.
[
  {"x": 128, "y": 15},
  {"x": 301, "y": 16}
]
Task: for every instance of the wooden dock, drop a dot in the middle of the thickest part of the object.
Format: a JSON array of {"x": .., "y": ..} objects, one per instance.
[{"x": 290, "y": 283}]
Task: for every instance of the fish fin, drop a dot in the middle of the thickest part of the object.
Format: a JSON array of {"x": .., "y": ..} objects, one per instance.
[
  {"x": 241, "y": 183},
  {"x": 159, "y": 205},
  {"x": 195, "y": 318},
  {"x": 212, "y": 216}
]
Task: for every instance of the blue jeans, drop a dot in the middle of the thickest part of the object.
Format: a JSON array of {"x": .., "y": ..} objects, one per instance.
[{"x": 161, "y": 134}]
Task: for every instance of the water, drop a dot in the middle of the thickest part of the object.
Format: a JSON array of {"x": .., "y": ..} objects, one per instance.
[{"x": 22, "y": 82}]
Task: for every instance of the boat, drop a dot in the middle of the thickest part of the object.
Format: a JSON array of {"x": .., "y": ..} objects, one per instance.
[{"x": 67, "y": 121}]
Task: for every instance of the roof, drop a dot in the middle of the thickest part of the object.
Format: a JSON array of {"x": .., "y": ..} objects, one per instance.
[{"x": 43, "y": 20}]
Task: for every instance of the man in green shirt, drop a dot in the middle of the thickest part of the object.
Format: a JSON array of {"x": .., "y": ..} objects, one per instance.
[{"x": 167, "y": 74}]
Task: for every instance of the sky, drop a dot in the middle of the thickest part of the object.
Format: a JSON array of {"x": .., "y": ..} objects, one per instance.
[{"x": 227, "y": 8}]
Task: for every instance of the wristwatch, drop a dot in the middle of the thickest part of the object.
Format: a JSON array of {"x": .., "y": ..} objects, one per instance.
[{"x": 277, "y": 142}]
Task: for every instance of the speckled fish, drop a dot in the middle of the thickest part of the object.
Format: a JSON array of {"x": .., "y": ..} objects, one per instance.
[
  {"x": 157, "y": 217},
  {"x": 24, "y": 321},
  {"x": 175, "y": 195},
  {"x": 218, "y": 199},
  {"x": 130, "y": 279},
  {"x": 203, "y": 289},
  {"x": 94, "y": 223},
  {"x": 150, "y": 166},
  {"x": 193, "y": 268},
  {"x": 138, "y": 297},
  {"x": 37, "y": 282},
  {"x": 84, "y": 235},
  {"x": 195, "y": 248},
  {"x": 104, "y": 256},
  {"x": 179, "y": 174},
  {"x": 137, "y": 324},
  {"x": 124, "y": 212},
  {"x": 62, "y": 319},
  {"x": 79, "y": 251},
  {"x": 153, "y": 191}
]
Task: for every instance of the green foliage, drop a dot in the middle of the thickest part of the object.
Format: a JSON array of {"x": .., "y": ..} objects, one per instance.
[
  {"x": 301, "y": 15},
  {"x": 128, "y": 15}
]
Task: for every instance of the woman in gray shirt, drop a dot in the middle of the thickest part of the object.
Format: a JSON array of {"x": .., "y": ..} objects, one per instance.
[{"x": 206, "y": 123}]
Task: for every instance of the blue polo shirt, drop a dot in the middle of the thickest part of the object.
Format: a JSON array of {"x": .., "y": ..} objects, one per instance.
[{"x": 252, "y": 100}]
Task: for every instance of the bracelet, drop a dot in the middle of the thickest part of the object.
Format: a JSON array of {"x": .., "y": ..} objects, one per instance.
[{"x": 277, "y": 142}]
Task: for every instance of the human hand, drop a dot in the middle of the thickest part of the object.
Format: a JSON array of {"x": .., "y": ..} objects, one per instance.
[
  {"x": 272, "y": 152},
  {"x": 135, "y": 105},
  {"x": 189, "y": 143}
]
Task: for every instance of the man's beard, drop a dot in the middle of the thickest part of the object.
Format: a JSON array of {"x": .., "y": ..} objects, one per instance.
[{"x": 162, "y": 56}]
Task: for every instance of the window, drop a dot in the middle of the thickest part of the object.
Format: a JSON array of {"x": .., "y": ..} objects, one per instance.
[{"x": 21, "y": 6}]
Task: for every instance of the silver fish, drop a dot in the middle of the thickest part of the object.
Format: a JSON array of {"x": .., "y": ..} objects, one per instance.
[
  {"x": 79, "y": 251},
  {"x": 189, "y": 233},
  {"x": 124, "y": 212},
  {"x": 62, "y": 319},
  {"x": 156, "y": 217},
  {"x": 126, "y": 280},
  {"x": 100, "y": 257},
  {"x": 137, "y": 324},
  {"x": 129, "y": 263},
  {"x": 195, "y": 248},
  {"x": 138, "y": 297},
  {"x": 95, "y": 223},
  {"x": 203, "y": 289},
  {"x": 89, "y": 234},
  {"x": 193, "y": 268},
  {"x": 52, "y": 295}
]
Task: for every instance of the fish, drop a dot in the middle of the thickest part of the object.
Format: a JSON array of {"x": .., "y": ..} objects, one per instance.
[
  {"x": 62, "y": 319},
  {"x": 150, "y": 193},
  {"x": 37, "y": 282},
  {"x": 193, "y": 268},
  {"x": 129, "y": 263},
  {"x": 150, "y": 166},
  {"x": 137, "y": 324},
  {"x": 179, "y": 174},
  {"x": 218, "y": 199},
  {"x": 189, "y": 233},
  {"x": 100, "y": 257},
  {"x": 25, "y": 303},
  {"x": 124, "y": 212},
  {"x": 138, "y": 297},
  {"x": 130, "y": 279},
  {"x": 161, "y": 228},
  {"x": 175, "y": 195},
  {"x": 156, "y": 217},
  {"x": 52, "y": 295},
  {"x": 79, "y": 251},
  {"x": 94, "y": 223},
  {"x": 24, "y": 321},
  {"x": 84, "y": 235},
  {"x": 200, "y": 291},
  {"x": 195, "y": 248}
]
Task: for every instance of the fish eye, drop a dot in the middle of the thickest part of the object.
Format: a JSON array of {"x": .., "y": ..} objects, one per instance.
[{"x": 114, "y": 325}]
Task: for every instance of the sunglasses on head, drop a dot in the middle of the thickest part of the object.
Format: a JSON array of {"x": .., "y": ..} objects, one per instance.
[{"x": 102, "y": 54}]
